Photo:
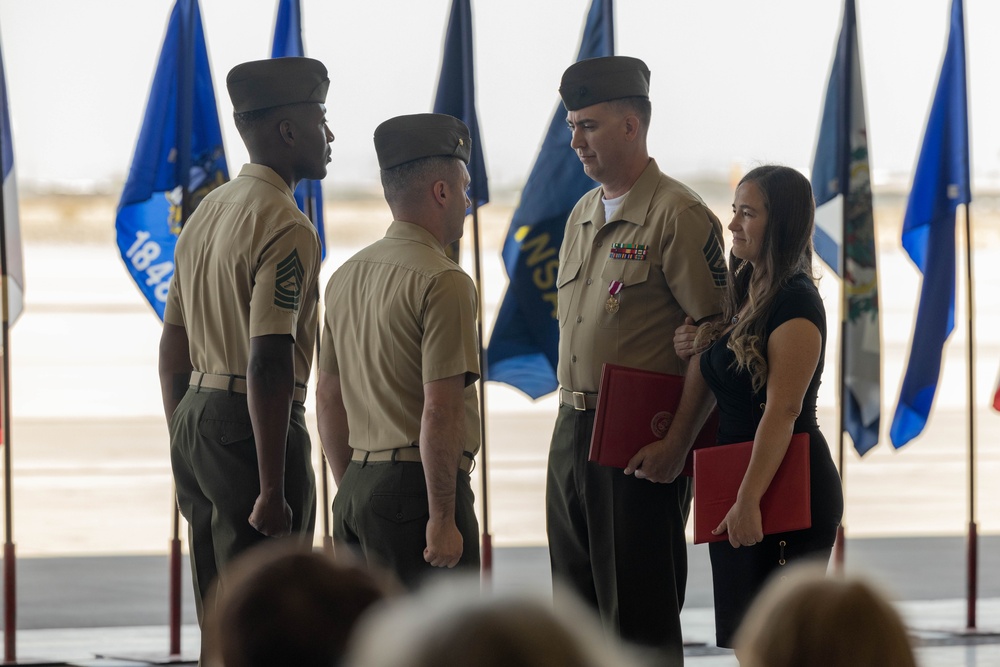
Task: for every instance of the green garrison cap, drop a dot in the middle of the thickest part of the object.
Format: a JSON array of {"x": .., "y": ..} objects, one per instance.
[
  {"x": 596, "y": 80},
  {"x": 407, "y": 138},
  {"x": 275, "y": 82}
]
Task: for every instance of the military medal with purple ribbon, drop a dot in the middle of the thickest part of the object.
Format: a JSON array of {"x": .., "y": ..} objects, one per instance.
[{"x": 614, "y": 302}]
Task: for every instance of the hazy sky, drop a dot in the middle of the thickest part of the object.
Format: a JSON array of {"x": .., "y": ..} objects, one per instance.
[{"x": 733, "y": 81}]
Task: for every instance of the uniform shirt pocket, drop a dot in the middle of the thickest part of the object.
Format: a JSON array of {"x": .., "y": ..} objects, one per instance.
[{"x": 566, "y": 283}]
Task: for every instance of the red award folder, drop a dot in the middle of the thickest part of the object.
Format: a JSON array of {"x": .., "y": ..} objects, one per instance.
[
  {"x": 634, "y": 408},
  {"x": 718, "y": 473}
]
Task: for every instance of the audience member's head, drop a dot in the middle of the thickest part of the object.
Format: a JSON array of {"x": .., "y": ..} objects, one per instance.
[
  {"x": 282, "y": 604},
  {"x": 808, "y": 618},
  {"x": 454, "y": 624}
]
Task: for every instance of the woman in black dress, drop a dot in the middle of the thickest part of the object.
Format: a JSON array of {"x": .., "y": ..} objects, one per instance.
[{"x": 763, "y": 369}]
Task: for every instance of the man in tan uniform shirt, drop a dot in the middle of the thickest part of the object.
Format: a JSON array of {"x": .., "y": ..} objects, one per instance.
[
  {"x": 640, "y": 252},
  {"x": 396, "y": 400},
  {"x": 240, "y": 326}
]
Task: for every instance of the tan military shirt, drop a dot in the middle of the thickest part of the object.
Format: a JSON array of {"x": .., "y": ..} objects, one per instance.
[
  {"x": 399, "y": 314},
  {"x": 665, "y": 247},
  {"x": 246, "y": 265}
]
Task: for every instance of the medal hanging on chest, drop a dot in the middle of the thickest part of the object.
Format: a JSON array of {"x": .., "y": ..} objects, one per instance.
[{"x": 614, "y": 301}]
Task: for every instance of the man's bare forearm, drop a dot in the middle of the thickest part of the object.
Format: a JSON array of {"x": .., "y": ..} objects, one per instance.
[
  {"x": 174, "y": 367},
  {"x": 331, "y": 421}
]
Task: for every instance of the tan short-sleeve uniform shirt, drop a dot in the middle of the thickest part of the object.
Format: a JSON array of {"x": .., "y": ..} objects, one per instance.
[
  {"x": 246, "y": 265},
  {"x": 399, "y": 314},
  {"x": 665, "y": 247}
]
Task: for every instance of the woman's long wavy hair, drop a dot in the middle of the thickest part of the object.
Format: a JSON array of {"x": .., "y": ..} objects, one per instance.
[{"x": 786, "y": 250}]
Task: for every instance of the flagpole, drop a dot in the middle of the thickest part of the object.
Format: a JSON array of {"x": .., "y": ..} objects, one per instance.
[
  {"x": 844, "y": 177},
  {"x": 185, "y": 121},
  {"x": 607, "y": 7},
  {"x": 972, "y": 546},
  {"x": 175, "y": 581},
  {"x": 311, "y": 212},
  {"x": 288, "y": 42},
  {"x": 838, "y": 545},
  {"x": 9, "y": 565},
  {"x": 487, "y": 538}
]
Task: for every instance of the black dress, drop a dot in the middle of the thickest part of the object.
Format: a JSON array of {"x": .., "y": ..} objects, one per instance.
[{"x": 739, "y": 574}]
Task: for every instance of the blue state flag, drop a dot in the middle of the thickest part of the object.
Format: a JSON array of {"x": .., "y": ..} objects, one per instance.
[
  {"x": 179, "y": 157},
  {"x": 13, "y": 262},
  {"x": 940, "y": 184},
  {"x": 845, "y": 233},
  {"x": 456, "y": 91},
  {"x": 288, "y": 42},
  {"x": 523, "y": 349}
]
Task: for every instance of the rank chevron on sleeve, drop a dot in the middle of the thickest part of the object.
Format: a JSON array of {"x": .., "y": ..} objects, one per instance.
[{"x": 288, "y": 282}]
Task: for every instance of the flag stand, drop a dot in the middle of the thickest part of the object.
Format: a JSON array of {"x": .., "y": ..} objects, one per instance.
[{"x": 175, "y": 582}]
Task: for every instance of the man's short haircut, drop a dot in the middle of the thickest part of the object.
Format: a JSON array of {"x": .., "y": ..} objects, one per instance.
[
  {"x": 248, "y": 122},
  {"x": 400, "y": 181},
  {"x": 640, "y": 106}
]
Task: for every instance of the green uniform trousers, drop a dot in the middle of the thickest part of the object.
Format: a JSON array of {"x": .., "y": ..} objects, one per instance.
[
  {"x": 214, "y": 459},
  {"x": 616, "y": 541},
  {"x": 380, "y": 512}
]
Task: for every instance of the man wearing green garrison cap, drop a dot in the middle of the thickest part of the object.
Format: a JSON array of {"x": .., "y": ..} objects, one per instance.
[
  {"x": 240, "y": 327},
  {"x": 396, "y": 400},
  {"x": 641, "y": 253}
]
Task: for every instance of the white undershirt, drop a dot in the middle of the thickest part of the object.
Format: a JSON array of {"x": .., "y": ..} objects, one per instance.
[{"x": 611, "y": 206}]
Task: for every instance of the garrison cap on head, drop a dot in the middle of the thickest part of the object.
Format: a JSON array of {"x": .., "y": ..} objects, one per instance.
[
  {"x": 596, "y": 80},
  {"x": 275, "y": 82},
  {"x": 407, "y": 138}
]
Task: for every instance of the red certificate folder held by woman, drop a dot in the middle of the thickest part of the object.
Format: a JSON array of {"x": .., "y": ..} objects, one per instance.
[
  {"x": 634, "y": 408},
  {"x": 718, "y": 473}
]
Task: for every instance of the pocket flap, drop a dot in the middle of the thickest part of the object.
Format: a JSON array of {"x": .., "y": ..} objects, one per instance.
[
  {"x": 629, "y": 271},
  {"x": 398, "y": 507},
  {"x": 226, "y": 419},
  {"x": 568, "y": 271}
]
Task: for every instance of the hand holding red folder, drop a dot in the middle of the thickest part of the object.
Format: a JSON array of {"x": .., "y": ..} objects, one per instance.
[
  {"x": 718, "y": 473},
  {"x": 635, "y": 407}
]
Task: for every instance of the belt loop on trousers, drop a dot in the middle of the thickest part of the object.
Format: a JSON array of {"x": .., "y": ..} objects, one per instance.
[
  {"x": 393, "y": 459},
  {"x": 229, "y": 389},
  {"x": 201, "y": 377},
  {"x": 364, "y": 461}
]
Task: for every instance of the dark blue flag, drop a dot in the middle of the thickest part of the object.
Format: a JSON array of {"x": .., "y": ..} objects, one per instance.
[
  {"x": 523, "y": 349},
  {"x": 456, "y": 91},
  {"x": 13, "y": 263},
  {"x": 941, "y": 183},
  {"x": 841, "y": 181},
  {"x": 178, "y": 159},
  {"x": 288, "y": 42}
]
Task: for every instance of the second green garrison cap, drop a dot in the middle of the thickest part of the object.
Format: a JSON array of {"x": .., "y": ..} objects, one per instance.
[
  {"x": 275, "y": 82},
  {"x": 596, "y": 80},
  {"x": 407, "y": 138}
]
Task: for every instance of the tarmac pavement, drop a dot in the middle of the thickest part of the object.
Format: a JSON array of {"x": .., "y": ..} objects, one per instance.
[{"x": 112, "y": 610}]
